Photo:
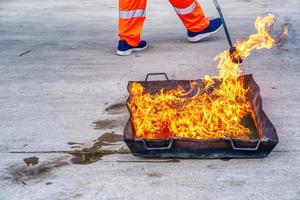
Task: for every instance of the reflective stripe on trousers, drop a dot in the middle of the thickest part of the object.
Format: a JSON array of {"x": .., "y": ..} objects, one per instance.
[
  {"x": 187, "y": 10},
  {"x": 132, "y": 13}
]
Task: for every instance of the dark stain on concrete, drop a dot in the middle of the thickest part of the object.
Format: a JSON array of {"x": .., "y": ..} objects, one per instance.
[
  {"x": 75, "y": 143},
  {"x": 105, "y": 124},
  {"x": 88, "y": 156},
  {"x": 154, "y": 174},
  {"x": 75, "y": 147},
  {"x": 110, "y": 137},
  {"x": 31, "y": 161},
  {"x": 211, "y": 166},
  {"x": 117, "y": 108},
  {"x": 22, "y": 173},
  {"x": 95, "y": 153},
  {"x": 120, "y": 110}
]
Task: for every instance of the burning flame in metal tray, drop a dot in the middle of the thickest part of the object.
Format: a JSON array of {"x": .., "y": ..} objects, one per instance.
[{"x": 213, "y": 112}]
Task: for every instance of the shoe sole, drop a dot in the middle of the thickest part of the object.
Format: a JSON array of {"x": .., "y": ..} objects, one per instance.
[
  {"x": 130, "y": 51},
  {"x": 202, "y": 36}
]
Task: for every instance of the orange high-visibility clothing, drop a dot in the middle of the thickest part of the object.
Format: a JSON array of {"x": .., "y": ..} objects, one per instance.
[{"x": 132, "y": 14}]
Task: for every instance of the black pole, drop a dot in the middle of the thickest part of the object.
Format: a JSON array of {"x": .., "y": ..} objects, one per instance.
[{"x": 224, "y": 24}]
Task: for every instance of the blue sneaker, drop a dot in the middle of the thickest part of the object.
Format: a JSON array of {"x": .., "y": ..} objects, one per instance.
[
  {"x": 125, "y": 49},
  {"x": 214, "y": 26}
]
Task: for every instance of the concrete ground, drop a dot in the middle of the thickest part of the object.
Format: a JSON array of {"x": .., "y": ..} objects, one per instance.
[{"x": 59, "y": 75}]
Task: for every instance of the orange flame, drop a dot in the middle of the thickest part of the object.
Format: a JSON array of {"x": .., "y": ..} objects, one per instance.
[
  {"x": 283, "y": 35},
  {"x": 213, "y": 112}
]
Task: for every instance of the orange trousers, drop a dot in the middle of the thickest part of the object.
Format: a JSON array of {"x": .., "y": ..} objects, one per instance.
[{"x": 132, "y": 14}]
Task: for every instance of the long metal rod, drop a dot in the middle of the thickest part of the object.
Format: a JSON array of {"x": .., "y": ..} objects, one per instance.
[{"x": 224, "y": 24}]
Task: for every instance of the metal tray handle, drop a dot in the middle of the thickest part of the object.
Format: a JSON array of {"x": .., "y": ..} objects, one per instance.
[
  {"x": 156, "y": 74},
  {"x": 158, "y": 148},
  {"x": 244, "y": 148}
]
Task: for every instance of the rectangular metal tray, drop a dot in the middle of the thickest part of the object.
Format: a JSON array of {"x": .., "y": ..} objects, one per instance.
[{"x": 210, "y": 148}]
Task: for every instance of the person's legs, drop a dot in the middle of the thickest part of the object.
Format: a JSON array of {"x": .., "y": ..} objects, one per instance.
[
  {"x": 197, "y": 25},
  {"x": 191, "y": 14},
  {"x": 131, "y": 19}
]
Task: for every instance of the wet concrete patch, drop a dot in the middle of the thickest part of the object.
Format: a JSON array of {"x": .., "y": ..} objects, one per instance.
[
  {"x": 88, "y": 156},
  {"x": 111, "y": 137},
  {"x": 75, "y": 147},
  {"x": 22, "y": 173},
  {"x": 116, "y": 116},
  {"x": 117, "y": 108},
  {"x": 75, "y": 143},
  {"x": 107, "y": 139},
  {"x": 105, "y": 124},
  {"x": 96, "y": 152}
]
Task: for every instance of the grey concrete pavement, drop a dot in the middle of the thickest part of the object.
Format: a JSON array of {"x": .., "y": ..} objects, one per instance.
[{"x": 51, "y": 96}]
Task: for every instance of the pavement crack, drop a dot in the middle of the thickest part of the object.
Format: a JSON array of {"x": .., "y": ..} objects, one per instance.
[
  {"x": 24, "y": 53},
  {"x": 103, "y": 186}
]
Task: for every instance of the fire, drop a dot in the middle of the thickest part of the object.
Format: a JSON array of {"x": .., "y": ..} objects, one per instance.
[{"x": 214, "y": 110}]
